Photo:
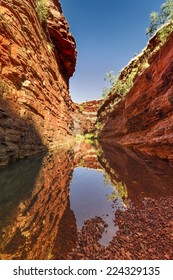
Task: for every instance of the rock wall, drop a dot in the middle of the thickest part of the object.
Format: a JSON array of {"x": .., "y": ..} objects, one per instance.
[
  {"x": 143, "y": 120},
  {"x": 37, "y": 58},
  {"x": 85, "y": 119}
]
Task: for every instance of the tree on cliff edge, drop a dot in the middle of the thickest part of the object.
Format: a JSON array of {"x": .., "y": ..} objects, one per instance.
[{"x": 156, "y": 19}]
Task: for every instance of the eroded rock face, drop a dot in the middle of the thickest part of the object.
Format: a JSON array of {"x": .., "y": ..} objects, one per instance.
[
  {"x": 62, "y": 38},
  {"x": 35, "y": 106},
  {"x": 85, "y": 119},
  {"x": 144, "y": 119}
]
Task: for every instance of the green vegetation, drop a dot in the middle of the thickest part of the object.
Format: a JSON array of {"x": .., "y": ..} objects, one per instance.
[
  {"x": 118, "y": 85},
  {"x": 42, "y": 9},
  {"x": 99, "y": 152},
  {"x": 88, "y": 137},
  {"x": 121, "y": 84},
  {"x": 122, "y": 87},
  {"x": 164, "y": 32},
  {"x": 50, "y": 47},
  {"x": 158, "y": 19},
  {"x": 82, "y": 162},
  {"x": 111, "y": 178},
  {"x": 111, "y": 78},
  {"x": 98, "y": 125},
  {"x": 120, "y": 191},
  {"x": 119, "y": 188},
  {"x": 81, "y": 108}
]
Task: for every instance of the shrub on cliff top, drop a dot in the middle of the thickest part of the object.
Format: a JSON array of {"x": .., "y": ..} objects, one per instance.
[
  {"x": 42, "y": 9},
  {"x": 111, "y": 78},
  {"x": 156, "y": 19},
  {"x": 118, "y": 86}
]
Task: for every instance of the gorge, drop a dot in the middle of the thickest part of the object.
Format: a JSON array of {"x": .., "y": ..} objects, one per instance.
[{"x": 40, "y": 154}]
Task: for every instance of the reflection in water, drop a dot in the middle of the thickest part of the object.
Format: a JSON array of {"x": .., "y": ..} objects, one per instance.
[
  {"x": 34, "y": 229},
  {"x": 144, "y": 176},
  {"x": 88, "y": 199},
  {"x": 16, "y": 184},
  {"x": 46, "y": 201}
]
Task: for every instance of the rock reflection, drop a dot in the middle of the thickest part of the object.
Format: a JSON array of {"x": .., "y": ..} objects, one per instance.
[
  {"x": 142, "y": 175},
  {"x": 37, "y": 220},
  {"x": 40, "y": 220},
  {"x": 33, "y": 232},
  {"x": 16, "y": 184},
  {"x": 145, "y": 227}
]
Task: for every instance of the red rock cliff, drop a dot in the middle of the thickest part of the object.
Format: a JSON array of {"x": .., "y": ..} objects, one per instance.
[
  {"x": 37, "y": 57},
  {"x": 86, "y": 116},
  {"x": 144, "y": 118}
]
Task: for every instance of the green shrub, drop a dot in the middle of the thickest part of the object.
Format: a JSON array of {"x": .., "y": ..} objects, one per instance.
[
  {"x": 98, "y": 125},
  {"x": 111, "y": 78},
  {"x": 164, "y": 32},
  {"x": 105, "y": 92},
  {"x": 158, "y": 19},
  {"x": 120, "y": 86},
  {"x": 50, "y": 47},
  {"x": 99, "y": 152},
  {"x": 90, "y": 136},
  {"x": 81, "y": 108},
  {"x": 42, "y": 9}
]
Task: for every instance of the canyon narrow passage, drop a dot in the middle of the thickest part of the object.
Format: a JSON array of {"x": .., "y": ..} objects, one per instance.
[{"x": 82, "y": 181}]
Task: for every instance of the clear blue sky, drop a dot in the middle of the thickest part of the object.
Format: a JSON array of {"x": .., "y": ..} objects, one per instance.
[{"x": 108, "y": 33}]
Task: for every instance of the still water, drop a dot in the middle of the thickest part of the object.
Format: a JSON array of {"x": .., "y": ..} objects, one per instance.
[
  {"x": 90, "y": 197},
  {"x": 45, "y": 201}
]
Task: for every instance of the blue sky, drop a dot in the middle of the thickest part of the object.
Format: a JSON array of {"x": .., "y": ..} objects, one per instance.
[{"x": 108, "y": 34}]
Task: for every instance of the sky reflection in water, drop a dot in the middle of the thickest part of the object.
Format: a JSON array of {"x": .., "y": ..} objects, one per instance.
[
  {"x": 45, "y": 200},
  {"x": 89, "y": 198}
]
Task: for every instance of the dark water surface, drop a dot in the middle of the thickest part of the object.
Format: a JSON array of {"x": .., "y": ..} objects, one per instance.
[{"x": 46, "y": 200}]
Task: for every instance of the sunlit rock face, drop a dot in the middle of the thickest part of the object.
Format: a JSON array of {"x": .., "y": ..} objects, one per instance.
[
  {"x": 85, "y": 116},
  {"x": 62, "y": 39},
  {"x": 144, "y": 118},
  {"x": 36, "y": 60}
]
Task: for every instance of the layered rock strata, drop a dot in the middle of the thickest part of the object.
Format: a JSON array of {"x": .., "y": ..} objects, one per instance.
[
  {"x": 85, "y": 118},
  {"x": 143, "y": 119},
  {"x": 36, "y": 60}
]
